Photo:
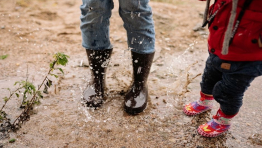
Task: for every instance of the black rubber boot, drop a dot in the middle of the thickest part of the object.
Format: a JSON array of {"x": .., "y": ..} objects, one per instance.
[
  {"x": 98, "y": 62},
  {"x": 137, "y": 96}
]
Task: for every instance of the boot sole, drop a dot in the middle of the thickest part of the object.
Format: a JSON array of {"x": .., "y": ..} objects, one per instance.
[
  {"x": 95, "y": 106},
  {"x": 134, "y": 111}
]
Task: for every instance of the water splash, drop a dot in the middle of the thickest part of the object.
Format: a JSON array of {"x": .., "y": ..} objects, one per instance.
[{"x": 132, "y": 15}]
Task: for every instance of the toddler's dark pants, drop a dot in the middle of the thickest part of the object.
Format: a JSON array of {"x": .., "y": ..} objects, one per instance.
[{"x": 228, "y": 80}]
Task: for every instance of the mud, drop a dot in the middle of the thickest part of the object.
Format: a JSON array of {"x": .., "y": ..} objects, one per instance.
[{"x": 32, "y": 31}]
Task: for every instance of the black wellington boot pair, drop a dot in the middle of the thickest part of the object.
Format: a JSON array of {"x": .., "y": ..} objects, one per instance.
[{"x": 137, "y": 95}]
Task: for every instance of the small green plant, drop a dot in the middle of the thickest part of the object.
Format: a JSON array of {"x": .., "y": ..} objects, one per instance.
[
  {"x": 11, "y": 140},
  {"x": 2, "y": 57},
  {"x": 28, "y": 89}
]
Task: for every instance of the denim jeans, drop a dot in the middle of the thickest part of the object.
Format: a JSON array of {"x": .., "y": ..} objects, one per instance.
[
  {"x": 227, "y": 85},
  {"x": 138, "y": 22}
]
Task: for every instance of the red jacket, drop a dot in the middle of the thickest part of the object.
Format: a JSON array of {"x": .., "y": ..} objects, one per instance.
[{"x": 245, "y": 45}]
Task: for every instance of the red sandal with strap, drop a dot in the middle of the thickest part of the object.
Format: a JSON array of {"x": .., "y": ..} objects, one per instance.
[
  {"x": 205, "y": 103},
  {"x": 219, "y": 124}
]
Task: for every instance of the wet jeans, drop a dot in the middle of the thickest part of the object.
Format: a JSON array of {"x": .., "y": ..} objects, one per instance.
[
  {"x": 138, "y": 22},
  {"x": 228, "y": 81}
]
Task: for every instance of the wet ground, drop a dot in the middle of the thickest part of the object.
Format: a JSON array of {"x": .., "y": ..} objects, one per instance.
[{"x": 32, "y": 31}]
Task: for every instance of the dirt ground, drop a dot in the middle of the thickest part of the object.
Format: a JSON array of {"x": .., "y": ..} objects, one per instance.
[{"x": 32, "y": 31}]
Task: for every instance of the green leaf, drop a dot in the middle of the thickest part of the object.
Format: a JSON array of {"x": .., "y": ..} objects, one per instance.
[
  {"x": 12, "y": 140},
  {"x": 54, "y": 75},
  {"x": 2, "y": 57},
  {"x": 37, "y": 102},
  {"x": 26, "y": 85},
  {"x": 24, "y": 94},
  {"x": 25, "y": 103},
  {"x": 17, "y": 82},
  {"x": 8, "y": 89},
  {"x": 40, "y": 94},
  {"x": 6, "y": 99},
  {"x": 17, "y": 95},
  {"x": 49, "y": 83},
  {"x": 45, "y": 90},
  {"x": 30, "y": 86},
  {"x": 61, "y": 58},
  {"x": 61, "y": 70},
  {"x": 2, "y": 115},
  {"x": 52, "y": 64}
]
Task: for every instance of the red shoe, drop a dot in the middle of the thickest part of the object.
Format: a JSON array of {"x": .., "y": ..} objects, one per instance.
[
  {"x": 217, "y": 126},
  {"x": 205, "y": 103}
]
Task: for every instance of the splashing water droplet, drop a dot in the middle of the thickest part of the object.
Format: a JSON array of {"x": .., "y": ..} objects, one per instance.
[
  {"x": 104, "y": 64},
  {"x": 132, "y": 15},
  {"x": 132, "y": 41},
  {"x": 139, "y": 70},
  {"x": 101, "y": 19}
]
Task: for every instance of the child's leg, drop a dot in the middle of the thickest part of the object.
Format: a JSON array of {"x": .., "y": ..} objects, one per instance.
[
  {"x": 210, "y": 77},
  {"x": 229, "y": 94},
  {"x": 94, "y": 26},
  {"x": 230, "y": 90}
]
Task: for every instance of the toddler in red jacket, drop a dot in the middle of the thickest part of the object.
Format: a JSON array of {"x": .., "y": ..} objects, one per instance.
[{"x": 235, "y": 60}]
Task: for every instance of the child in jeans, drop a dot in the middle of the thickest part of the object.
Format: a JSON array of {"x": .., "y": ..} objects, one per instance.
[{"x": 235, "y": 60}]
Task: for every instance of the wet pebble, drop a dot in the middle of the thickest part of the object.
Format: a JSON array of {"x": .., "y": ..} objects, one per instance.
[
  {"x": 160, "y": 64},
  {"x": 140, "y": 129},
  {"x": 173, "y": 140},
  {"x": 256, "y": 139},
  {"x": 167, "y": 48}
]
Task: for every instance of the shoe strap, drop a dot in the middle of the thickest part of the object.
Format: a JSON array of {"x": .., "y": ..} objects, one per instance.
[
  {"x": 222, "y": 118},
  {"x": 204, "y": 96},
  {"x": 204, "y": 102}
]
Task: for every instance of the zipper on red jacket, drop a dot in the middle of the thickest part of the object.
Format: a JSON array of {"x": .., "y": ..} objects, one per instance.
[
  {"x": 212, "y": 16},
  {"x": 239, "y": 18}
]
